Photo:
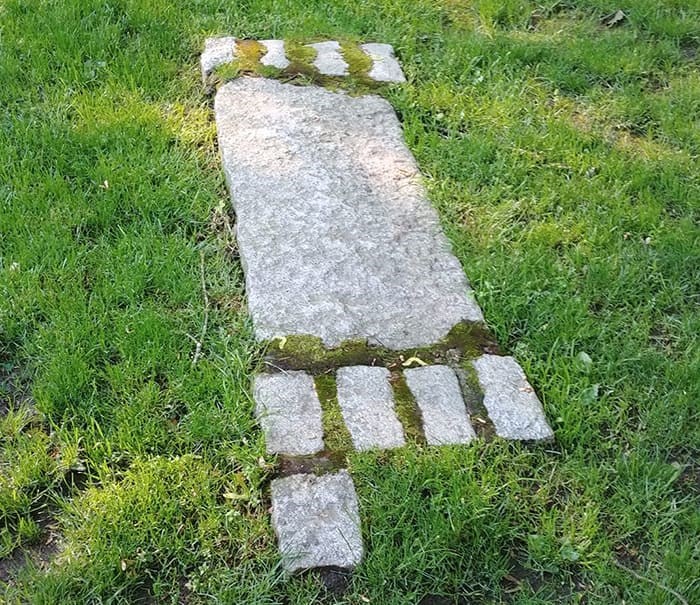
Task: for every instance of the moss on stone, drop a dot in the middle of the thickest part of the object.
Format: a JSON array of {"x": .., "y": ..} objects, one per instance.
[
  {"x": 336, "y": 436},
  {"x": 304, "y": 352},
  {"x": 301, "y": 69},
  {"x": 247, "y": 55},
  {"x": 407, "y": 409},
  {"x": 474, "y": 401}
]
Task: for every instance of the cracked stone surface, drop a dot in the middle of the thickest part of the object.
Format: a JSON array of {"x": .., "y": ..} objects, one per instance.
[
  {"x": 289, "y": 412},
  {"x": 511, "y": 402},
  {"x": 337, "y": 237},
  {"x": 439, "y": 397},
  {"x": 275, "y": 55},
  {"x": 329, "y": 60},
  {"x": 317, "y": 521},
  {"x": 217, "y": 51},
  {"x": 385, "y": 67},
  {"x": 367, "y": 403}
]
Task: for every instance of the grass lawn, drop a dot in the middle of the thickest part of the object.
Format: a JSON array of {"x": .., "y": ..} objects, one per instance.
[{"x": 563, "y": 157}]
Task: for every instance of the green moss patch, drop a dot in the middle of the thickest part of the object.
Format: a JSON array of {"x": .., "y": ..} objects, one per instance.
[
  {"x": 335, "y": 434},
  {"x": 474, "y": 401},
  {"x": 302, "y": 352},
  {"x": 407, "y": 409},
  {"x": 301, "y": 69}
]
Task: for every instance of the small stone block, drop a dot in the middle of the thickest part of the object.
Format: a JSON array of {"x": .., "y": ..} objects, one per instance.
[
  {"x": 289, "y": 412},
  {"x": 217, "y": 51},
  {"x": 329, "y": 60},
  {"x": 367, "y": 404},
  {"x": 385, "y": 67},
  {"x": 275, "y": 55},
  {"x": 511, "y": 402},
  {"x": 317, "y": 521},
  {"x": 439, "y": 397}
]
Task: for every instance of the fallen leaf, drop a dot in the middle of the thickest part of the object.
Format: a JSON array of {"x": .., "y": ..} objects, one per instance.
[
  {"x": 614, "y": 19},
  {"x": 412, "y": 360}
]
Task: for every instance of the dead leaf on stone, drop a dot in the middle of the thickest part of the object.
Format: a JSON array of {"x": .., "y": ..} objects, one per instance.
[{"x": 614, "y": 19}]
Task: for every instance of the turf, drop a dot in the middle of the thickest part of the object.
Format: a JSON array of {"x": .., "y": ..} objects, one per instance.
[{"x": 562, "y": 155}]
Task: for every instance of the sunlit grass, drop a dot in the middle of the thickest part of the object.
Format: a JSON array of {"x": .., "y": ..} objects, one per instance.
[{"x": 563, "y": 158}]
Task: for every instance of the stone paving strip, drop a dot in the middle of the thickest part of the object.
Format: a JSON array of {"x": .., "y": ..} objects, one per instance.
[
  {"x": 317, "y": 521},
  {"x": 510, "y": 401},
  {"x": 366, "y": 401},
  {"x": 339, "y": 242},
  {"x": 438, "y": 395},
  {"x": 329, "y": 60},
  {"x": 336, "y": 234},
  {"x": 289, "y": 413}
]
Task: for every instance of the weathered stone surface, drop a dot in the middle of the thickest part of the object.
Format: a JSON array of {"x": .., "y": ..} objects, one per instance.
[
  {"x": 275, "y": 55},
  {"x": 336, "y": 235},
  {"x": 317, "y": 521},
  {"x": 289, "y": 412},
  {"x": 367, "y": 403},
  {"x": 217, "y": 51},
  {"x": 439, "y": 397},
  {"x": 511, "y": 402},
  {"x": 385, "y": 67},
  {"x": 329, "y": 60}
]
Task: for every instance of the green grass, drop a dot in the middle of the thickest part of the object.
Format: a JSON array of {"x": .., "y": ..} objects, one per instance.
[{"x": 563, "y": 158}]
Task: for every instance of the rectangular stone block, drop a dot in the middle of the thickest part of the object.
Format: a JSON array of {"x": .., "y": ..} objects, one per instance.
[
  {"x": 337, "y": 237},
  {"x": 439, "y": 397},
  {"x": 329, "y": 58},
  {"x": 217, "y": 52},
  {"x": 385, "y": 67},
  {"x": 289, "y": 412},
  {"x": 367, "y": 403},
  {"x": 317, "y": 521},
  {"x": 510, "y": 401}
]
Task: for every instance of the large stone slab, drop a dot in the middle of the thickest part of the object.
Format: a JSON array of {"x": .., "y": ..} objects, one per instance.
[
  {"x": 367, "y": 403},
  {"x": 439, "y": 397},
  {"x": 337, "y": 237},
  {"x": 317, "y": 521},
  {"x": 511, "y": 402},
  {"x": 289, "y": 412}
]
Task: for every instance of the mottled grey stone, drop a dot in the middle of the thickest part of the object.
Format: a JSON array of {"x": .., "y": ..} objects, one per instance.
[
  {"x": 367, "y": 403},
  {"x": 511, "y": 402},
  {"x": 217, "y": 51},
  {"x": 385, "y": 67},
  {"x": 289, "y": 412},
  {"x": 275, "y": 55},
  {"x": 317, "y": 521},
  {"x": 329, "y": 60},
  {"x": 337, "y": 237},
  {"x": 439, "y": 397}
]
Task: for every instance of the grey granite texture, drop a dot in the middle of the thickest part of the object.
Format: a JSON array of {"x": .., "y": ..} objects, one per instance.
[
  {"x": 367, "y": 403},
  {"x": 510, "y": 401},
  {"x": 275, "y": 55},
  {"x": 385, "y": 67},
  {"x": 217, "y": 51},
  {"x": 317, "y": 521},
  {"x": 329, "y": 59},
  {"x": 289, "y": 412},
  {"x": 336, "y": 235},
  {"x": 439, "y": 397}
]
